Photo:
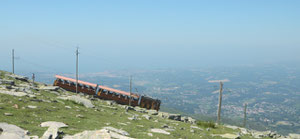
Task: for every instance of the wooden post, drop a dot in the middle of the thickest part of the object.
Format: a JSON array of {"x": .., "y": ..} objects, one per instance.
[
  {"x": 245, "y": 114},
  {"x": 220, "y": 103}
]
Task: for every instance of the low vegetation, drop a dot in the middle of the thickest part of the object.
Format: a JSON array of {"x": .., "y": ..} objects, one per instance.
[{"x": 206, "y": 124}]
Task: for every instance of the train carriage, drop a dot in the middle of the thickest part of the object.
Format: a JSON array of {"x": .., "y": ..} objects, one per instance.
[{"x": 107, "y": 93}]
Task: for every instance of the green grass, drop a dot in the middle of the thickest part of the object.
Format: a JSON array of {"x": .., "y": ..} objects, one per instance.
[{"x": 93, "y": 118}]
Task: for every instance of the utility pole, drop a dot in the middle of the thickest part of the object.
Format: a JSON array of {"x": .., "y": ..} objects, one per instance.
[
  {"x": 130, "y": 89},
  {"x": 77, "y": 70},
  {"x": 220, "y": 103},
  {"x": 13, "y": 61},
  {"x": 33, "y": 77},
  {"x": 245, "y": 114}
]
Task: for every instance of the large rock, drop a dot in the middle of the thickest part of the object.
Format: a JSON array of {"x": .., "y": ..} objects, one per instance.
[
  {"x": 263, "y": 134},
  {"x": 152, "y": 112},
  {"x": 12, "y": 132},
  {"x": 49, "y": 88},
  {"x": 139, "y": 109},
  {"x": 53, "y": 124},
  {"x": 109, "y": 102},
  {"x": 184, "y": 119},
  {"x": 79, "y": 100},
  {"x": 97, "y": 134},
  {"x": 191, "y": 120},
  {"x": 196, "y": 127},
  {"x": 119, "y": 131},
  {"x": 52, "y": 131},
  {"x": 161, "y": 131},
  {"x": 244, "y": 131},
  {"x": 147, "y": 116},
  {"x": 229, "y": 136},
  {"x": 18, "y": 94},
  {"x": 19, "y": 77},
  {"x": 8, "y": 82},
  {"x": 163, "y": 114},
  {"x": 176, "y": 117},
  {"x": 31, "y": 107}
]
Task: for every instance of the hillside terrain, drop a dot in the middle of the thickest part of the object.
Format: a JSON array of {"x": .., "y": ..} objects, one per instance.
[
  {"x": 38, "y": 110},
  {"x": 271, "y": 92}
]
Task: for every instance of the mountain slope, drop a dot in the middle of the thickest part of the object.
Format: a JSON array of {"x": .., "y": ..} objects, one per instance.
[{"x": 29, "y": 105}]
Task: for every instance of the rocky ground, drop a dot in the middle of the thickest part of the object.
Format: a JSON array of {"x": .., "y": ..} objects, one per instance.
[{"x": 36, "y": 110}]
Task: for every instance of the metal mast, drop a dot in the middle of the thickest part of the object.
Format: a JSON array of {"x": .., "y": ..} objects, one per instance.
[
  {"x": 13, "y": 61},
  {"x": 77, "y": 70},
  {"x": 130, "y": 89}
]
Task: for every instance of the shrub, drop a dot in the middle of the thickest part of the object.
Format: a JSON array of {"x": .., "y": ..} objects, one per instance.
[{"x": 206, "y": 124}]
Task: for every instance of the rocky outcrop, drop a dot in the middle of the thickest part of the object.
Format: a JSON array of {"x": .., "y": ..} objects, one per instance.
[
  {"x": 18, "y": 94},
  {"x": 7, "y": 82},
  {"x": 254, "y": 133},
  {"x": 19, "y": 77},
  {"x": 228, "y": 136},
  {"x": 97, "y": 134},
  {"x": 152, "y": 112},
  {"x": 12, "y": 132},
  {"x": 49, "y": 88},
  {"x": 176, "y": 117},
  {"x": 78, "y": 99},
  {"x": 139, "y": 109},
  {"x": 161, "y": 131},
  {"x": 119, "y": 131}
]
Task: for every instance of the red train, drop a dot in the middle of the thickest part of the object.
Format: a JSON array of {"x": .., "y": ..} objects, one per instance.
[{"x": 107, "y": 93}]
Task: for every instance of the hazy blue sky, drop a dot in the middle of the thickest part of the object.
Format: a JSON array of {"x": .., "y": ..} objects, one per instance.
[{"x": 124, "y": 34}]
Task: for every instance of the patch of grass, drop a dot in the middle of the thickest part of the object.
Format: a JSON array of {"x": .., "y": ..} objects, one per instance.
[{"x": 206, "y": 124}]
